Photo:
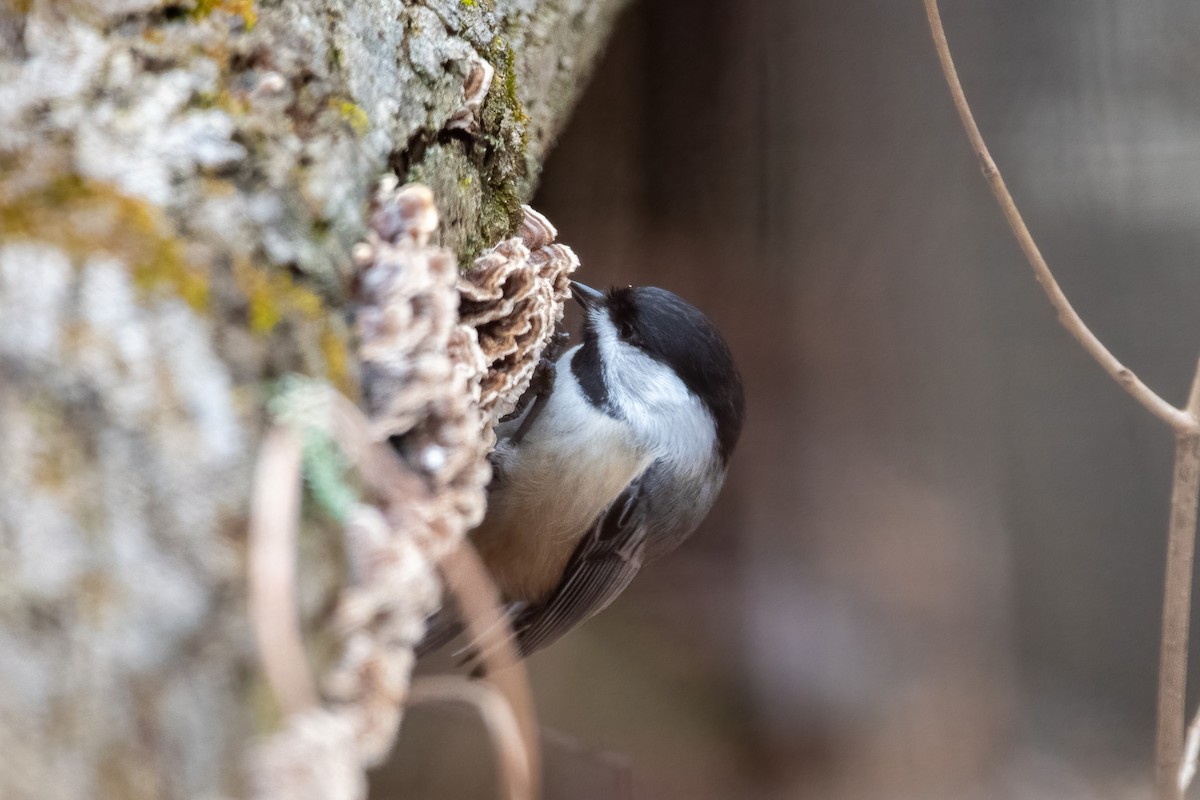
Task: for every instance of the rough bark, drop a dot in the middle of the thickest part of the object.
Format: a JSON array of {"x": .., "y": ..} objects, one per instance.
[{"x": 180, "y": 190}]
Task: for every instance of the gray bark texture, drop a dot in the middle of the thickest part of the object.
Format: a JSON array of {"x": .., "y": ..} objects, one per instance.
[{"x": 181, "y": 187}]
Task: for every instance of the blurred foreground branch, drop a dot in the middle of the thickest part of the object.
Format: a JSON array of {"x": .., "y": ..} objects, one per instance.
[
  {"x": 1172, "y": 776},
  {"x": 504, "y": 702}
]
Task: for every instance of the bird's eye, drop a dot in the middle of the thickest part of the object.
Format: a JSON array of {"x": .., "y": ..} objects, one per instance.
[{"x": 626, "y": 331}]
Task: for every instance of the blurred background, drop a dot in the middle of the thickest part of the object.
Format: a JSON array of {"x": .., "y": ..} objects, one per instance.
[{"x": 935, "y": 571}]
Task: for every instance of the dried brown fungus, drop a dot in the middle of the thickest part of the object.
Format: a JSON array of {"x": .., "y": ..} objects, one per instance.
[{"x": 444, "y": 356}]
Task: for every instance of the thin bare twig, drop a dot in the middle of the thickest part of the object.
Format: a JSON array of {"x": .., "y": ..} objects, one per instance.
[
  {"x": 274, "y": 515},
  {"x": 1177, "y": 607},
  {"x": 1181, "y": 541},
  {"x": 479, "y": 603},
  {"x": 499, "y": 717},
  {"x": 274, "y": 520},
  {"x": 1175, "y": 760},
  {"x": 504, "y": 701},
  {"x": 1180, "y": 421}
]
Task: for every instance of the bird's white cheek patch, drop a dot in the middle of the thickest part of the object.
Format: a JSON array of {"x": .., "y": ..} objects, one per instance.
[{"x": 661, "y": 410}]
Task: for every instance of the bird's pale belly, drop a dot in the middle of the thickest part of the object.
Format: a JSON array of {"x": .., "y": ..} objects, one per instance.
[{"x": 547, "y": 501}]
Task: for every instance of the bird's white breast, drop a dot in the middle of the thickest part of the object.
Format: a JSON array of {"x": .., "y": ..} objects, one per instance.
[{"x": 568, "y": 467}]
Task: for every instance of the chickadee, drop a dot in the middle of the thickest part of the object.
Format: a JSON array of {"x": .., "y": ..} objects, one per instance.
[{"x": 613, "y": 466}]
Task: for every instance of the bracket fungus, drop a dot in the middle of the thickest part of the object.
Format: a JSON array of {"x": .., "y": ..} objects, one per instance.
[
  {"x": 475, "y": 89},
  {"x": 444, "y": 357}
]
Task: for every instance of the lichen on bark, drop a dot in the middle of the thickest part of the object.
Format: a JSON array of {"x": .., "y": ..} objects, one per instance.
[{"x": 181, "y": 185}]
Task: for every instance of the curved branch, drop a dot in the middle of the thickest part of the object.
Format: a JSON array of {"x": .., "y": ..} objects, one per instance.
[
  {"x": 1179, "y": 420},
  {"x": 499, "y": 718},
  {"x": 487, "y": 625},
  {"x": 275, "y": 620},
  {"x": 1175, "y": 757},
  {"x": 1176, "y": 619},
  {"x": 1175, "y": 766}
]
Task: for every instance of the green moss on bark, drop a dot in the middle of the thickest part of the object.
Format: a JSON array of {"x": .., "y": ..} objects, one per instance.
[
  {"x": 481, "y": 180},
  {"x": 500, "y": 152}
]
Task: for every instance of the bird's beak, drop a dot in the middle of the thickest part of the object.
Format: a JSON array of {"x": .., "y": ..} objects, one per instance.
[{"x": 586, "y": 296}]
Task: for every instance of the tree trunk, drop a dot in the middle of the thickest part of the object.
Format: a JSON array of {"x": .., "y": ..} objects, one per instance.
[{"x": 180, "y": 190}]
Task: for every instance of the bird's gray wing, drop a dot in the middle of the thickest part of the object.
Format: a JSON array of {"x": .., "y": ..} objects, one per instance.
[{"x": 603, "y": 564}]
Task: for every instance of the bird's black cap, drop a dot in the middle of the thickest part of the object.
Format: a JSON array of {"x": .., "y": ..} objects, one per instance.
[{"x": 677, "y": 334}]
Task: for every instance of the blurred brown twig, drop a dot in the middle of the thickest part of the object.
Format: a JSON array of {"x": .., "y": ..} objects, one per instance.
[
  {"x": 489, "y": 630},
  {"x": 1172, "y": 774},
  {"x": 504, "y": 730},
  {"x": 274, "y": 616},
  {"x": 504, "y": 700}
]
